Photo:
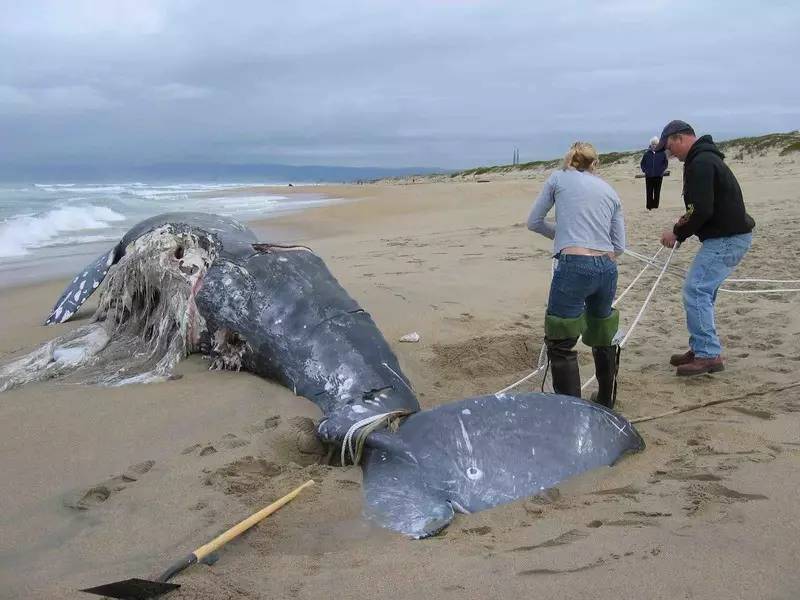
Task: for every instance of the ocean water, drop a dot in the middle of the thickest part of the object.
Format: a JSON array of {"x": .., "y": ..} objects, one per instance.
[{"x": 50, "y": 230}]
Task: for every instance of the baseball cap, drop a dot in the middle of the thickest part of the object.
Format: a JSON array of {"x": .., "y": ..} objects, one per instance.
[{"x": 671, "y": 128}]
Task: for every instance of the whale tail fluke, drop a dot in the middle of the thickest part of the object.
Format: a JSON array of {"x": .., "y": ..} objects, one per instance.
[{"x": 485, "y": 451}]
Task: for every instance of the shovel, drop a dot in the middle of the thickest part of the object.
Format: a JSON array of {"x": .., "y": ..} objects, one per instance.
[{"x": 141, "y": 589}]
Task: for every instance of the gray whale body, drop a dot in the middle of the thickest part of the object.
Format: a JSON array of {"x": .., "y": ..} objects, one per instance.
[{"x": 277, "y": 311}]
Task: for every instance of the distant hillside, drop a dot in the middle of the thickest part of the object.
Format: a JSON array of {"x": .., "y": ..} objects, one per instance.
[
  {"x": 203, "y": 172},
  {"x": 784, "y": 143},
  {"x": 736, "y": 149}
]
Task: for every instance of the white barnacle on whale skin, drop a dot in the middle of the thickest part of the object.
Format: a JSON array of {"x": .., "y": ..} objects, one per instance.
[
  {"x": 227, "y": 351},
  {"x": 232, "y": 302},
  {"x": 145, "y": 323}
]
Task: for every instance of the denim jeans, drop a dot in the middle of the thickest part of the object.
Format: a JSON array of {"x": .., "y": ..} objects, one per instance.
[
  {"x": 712, "y": 265},
  {"x": 582, "y": 283}
]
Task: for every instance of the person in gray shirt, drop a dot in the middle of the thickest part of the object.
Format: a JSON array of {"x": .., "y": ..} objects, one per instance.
[{"x": 588, "y": 235}]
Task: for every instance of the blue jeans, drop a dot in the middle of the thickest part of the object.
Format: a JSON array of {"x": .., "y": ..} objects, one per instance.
[
  {"x": 714, "y": 262},
  {"x": 582, "y": 283}
]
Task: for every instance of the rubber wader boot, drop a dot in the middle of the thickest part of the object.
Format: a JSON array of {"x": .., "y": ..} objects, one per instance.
[
  {"x": 564, "y": 366},
  {"x": 606, "y": 364}
]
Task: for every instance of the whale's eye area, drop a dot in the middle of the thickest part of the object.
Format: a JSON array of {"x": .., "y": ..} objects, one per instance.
[
  {"x": 179, "y": 252},
  {"x": 474, "y": 473}
]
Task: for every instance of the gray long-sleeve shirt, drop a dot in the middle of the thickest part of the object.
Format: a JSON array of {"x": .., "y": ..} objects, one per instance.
[{"x": 588, "y": 212}]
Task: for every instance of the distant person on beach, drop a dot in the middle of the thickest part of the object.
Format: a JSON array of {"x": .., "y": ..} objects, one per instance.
[
  {"x": 715, "y": 213},
  {"x": 588, "y": 235},
  {"x": 653, "y": 164}
]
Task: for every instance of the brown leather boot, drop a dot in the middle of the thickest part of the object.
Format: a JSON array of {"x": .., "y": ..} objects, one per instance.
[
  {"x": 699, "y": 366},
  {"x": 676, "y": 360}
]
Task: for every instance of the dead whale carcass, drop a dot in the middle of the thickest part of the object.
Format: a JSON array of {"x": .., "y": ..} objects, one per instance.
[{"x": 189, "y": 282}]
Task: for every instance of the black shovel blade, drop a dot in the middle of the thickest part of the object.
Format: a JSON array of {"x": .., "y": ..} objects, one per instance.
[{"x": 133, "y": 589}]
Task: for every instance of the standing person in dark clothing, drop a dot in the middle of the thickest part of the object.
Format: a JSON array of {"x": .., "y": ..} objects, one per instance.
[
  {"x": 653, "y": 164},
  {"x": 715, "y": 213}
]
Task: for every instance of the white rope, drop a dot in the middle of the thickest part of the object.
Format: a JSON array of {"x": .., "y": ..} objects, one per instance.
[
  {"x": 539, "y": 367},
  {"x": 675, "y": 270},
  {"x": 627, "y": 289},
  {"x": 763, "y": 280},
  {"x": 543, "y": 352},
  {"x": 641, "y": 310},
  {"x": 352, "y": 432},
  {"x": 347, "y": 442},
  {"x": 665, "y": 268},
  {"x": 775, "y": 291},
  {"x": 649, "y": 296}
]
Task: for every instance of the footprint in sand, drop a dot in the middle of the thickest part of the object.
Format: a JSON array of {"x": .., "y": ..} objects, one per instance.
[
  {"x": 305, "y": 434},
  {"x": 100, "y": 493},
  {"x": 573, "y": 535},
  {"x": 91, "y": 497},
  {"x": 480, "y": 531},
  {"x": 597, "y": 563},
  {"x": 699, "y": 495},
  {"x": 754, "y": 412},
  {"x": 243, "y": 476},
  {"x": 535, "y": 505},
  {"x": 629, "y": 491},
  {"x": 299, "y": 444},
  {"x": 347, "y": 484},
  {"x": 230, "y": 441},
  {"x": 272, "y": 422}
]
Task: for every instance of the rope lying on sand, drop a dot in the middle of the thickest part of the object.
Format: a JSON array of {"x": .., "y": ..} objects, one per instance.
[
  {"x": 641, "y": 310},
  {"x": 542, "y": 363},
  {"x": 681, "y": 272},
  {"x": 353, "y": 443},
  {"x": 665, "y": 268},
  {"x": 684, "y": 409}
]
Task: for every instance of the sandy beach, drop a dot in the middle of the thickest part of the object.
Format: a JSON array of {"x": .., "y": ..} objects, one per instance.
[{"x": 102, "y": 484}]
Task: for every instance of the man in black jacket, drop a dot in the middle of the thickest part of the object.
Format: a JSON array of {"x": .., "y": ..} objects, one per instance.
[{"x": 715, "y": 213}]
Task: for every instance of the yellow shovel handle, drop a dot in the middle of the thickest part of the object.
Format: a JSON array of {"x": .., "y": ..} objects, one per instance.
[{"x": 243, "y": 526}]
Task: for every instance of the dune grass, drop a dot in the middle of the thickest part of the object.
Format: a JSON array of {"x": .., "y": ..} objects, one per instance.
[{"x": 737, "y": 148}]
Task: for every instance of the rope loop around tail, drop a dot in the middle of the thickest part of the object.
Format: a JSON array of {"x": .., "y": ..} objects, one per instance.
[{"x": 356, "y": 436}]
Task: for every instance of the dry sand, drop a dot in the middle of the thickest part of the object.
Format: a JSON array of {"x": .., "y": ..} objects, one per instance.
[{"x": 103, "y": 484}]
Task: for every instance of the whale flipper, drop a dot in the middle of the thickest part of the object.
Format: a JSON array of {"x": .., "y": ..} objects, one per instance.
[{"x": 84, "y": 284}]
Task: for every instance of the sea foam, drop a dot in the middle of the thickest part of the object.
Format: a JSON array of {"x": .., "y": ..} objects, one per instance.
[{"x": 21, "y": 233}]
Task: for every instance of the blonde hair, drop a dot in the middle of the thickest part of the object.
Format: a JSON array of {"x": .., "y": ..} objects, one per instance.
[{"x": 581, "y": 156}]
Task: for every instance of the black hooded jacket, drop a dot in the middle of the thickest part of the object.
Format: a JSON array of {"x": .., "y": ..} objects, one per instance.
[{"x": 713, "y": 198}]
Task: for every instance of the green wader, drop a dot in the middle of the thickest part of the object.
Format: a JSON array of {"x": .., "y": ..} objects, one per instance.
[{"x": 561, "y": 335}]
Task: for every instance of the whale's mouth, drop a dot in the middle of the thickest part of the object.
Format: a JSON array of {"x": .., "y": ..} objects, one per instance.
[
  {"x": 148, "y": 305},
  {"x": 146, "y": 320}
]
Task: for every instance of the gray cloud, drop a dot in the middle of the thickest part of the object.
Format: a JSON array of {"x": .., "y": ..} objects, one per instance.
[{"x": 420, "y": 82}]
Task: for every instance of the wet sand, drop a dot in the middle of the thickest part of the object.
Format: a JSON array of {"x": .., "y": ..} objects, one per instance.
[{"x": 103, "y": 484}]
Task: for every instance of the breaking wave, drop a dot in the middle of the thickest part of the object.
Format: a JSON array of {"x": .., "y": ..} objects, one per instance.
[{"x": 21, "y": 233}]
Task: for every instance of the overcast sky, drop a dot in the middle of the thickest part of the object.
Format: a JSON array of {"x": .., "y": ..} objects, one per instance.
[{"x": 446, "y": 83}]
